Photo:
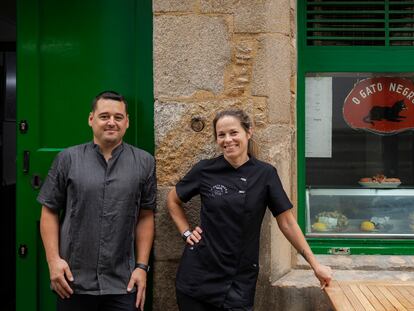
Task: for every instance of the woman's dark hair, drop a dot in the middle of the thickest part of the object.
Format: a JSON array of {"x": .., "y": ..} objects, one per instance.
[
  {"x": 109, "y": 95},
  {"x": 245, "y": 123}
]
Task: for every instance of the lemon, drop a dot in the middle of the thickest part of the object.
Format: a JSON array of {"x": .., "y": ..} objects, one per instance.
[
  {"x": 367, "y": 226},
  {"x": 319, "y": 226}
]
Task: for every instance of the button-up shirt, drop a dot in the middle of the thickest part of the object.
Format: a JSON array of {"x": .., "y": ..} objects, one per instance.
[
  {"x": 99, "y": 203},
  {"x": 222, "y": 268}
]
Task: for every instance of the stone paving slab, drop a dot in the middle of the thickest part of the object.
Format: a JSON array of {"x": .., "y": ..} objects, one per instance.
[
  {"x": 306, "y": 278},
  {"x": 362, "y": 262}
]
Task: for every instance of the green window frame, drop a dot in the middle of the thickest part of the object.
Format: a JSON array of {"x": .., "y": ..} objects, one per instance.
[{"x": 382, "y": 58}]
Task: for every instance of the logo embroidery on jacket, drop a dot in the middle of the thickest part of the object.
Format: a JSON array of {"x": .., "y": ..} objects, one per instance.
[{"x": 218, "y": 190}]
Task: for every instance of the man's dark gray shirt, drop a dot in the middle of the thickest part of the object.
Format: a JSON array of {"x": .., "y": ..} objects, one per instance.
[{"x": 99, "y": 203}]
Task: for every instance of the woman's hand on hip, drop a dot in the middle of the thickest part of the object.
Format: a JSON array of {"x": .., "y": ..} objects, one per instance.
[{"x": 195, "y": 236}]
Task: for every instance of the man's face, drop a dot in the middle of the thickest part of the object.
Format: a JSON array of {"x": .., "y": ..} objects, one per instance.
[{"x": 109, "y": 122}]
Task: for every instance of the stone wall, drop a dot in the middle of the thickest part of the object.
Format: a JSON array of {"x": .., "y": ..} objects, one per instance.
[{"x": 210, "y": 55}]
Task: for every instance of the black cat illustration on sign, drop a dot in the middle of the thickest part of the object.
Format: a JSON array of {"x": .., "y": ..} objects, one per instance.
[{"x": 391, "y": 114}]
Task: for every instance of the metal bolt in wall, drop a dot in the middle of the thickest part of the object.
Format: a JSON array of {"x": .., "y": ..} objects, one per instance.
[{"x": 197, "y": 124}]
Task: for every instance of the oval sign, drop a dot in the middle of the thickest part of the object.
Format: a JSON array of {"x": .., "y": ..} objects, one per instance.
[{"x": 381, "y": 105}]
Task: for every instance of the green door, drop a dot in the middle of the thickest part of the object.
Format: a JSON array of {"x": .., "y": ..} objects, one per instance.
[{"x": 67, "y": 52}]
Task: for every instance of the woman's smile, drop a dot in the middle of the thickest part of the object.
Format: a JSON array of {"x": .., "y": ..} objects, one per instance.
[{"x": 233, "y": 140}]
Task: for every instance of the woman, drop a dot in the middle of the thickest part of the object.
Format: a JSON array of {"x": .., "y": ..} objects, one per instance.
[{"x": 219, "y": 267}]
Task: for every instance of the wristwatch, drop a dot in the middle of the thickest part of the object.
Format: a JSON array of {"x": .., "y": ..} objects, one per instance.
[
  {"x": 186, "y": 234},
  {"x": 142, "y": 266}
]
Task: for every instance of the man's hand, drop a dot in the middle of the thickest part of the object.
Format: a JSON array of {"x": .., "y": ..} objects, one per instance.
[
  {"x": 138, "y": 279},
  {"x": 59, "y": 274}
]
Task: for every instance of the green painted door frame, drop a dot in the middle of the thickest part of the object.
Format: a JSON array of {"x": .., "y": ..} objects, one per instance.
[
  {"x": 324, "y": 59},
  {"x": 67, "y": 52}
]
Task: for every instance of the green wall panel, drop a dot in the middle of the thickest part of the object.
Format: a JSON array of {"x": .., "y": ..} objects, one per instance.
[{"x": 67, "y": 52}]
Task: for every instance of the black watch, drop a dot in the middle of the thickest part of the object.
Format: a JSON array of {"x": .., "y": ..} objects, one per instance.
[
  {"x": 186, "y": 234},
  {"x": 142, "y": 266}
]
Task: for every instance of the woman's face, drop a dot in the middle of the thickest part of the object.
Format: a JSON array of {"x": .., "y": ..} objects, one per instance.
[{"x": 232, "y": 139}]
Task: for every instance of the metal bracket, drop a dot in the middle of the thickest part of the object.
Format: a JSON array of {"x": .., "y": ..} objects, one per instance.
[
  {"x": 22, "y": 250},
  {"x": 340, "y": 251},
  {"x": 23, "y": 126}
]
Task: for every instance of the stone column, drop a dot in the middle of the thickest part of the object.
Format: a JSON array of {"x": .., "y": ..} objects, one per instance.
[{"x": 210, "y": 55}]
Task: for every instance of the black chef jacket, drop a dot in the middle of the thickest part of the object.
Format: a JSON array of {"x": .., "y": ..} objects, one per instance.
[{"x": 222, "y": 268}]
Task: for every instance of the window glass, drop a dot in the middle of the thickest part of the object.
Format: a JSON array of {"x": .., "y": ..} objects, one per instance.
[
  {"x": 356, "y": 152},
  {"x": 359, "y": 146}
]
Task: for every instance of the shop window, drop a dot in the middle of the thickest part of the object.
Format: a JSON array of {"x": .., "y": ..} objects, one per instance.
[
  {"x": 359, "y": 145},
  {"x": 356, "y": 125}
]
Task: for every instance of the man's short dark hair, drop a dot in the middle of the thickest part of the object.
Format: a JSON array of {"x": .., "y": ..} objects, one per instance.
[{"x": 109, "y": 95}]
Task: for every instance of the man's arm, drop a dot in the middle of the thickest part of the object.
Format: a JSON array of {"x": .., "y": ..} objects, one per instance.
[
  {"x": 290, "y": 228},
  {"x": 58, "y": 268},
  {"x": 144, "y": 237}
]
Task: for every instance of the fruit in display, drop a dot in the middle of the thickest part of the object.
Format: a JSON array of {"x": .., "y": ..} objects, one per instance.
[
  {"x": 319, "y": 226},
  {"x": 367, "y": 226}
]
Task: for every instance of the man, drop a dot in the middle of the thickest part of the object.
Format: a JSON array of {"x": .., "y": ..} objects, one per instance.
[{"x": 97, "y": 221}]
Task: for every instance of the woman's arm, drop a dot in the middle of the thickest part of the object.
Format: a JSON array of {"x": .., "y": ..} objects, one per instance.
[
  {"x": 290, "y": 228},
  {"x": 176, "y": 210}
]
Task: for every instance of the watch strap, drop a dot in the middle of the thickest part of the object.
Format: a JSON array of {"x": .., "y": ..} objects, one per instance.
[
  {"x": 142, "y": 266},
  {"x": 186, "y": 234}
]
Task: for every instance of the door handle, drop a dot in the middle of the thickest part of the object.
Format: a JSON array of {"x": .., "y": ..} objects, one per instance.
[
  {"x": 26, "y": 161},
  {"x": 36, "y": 181}
]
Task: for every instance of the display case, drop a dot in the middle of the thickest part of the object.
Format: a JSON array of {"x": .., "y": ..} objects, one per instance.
[{"x": 360, "y": 213}]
